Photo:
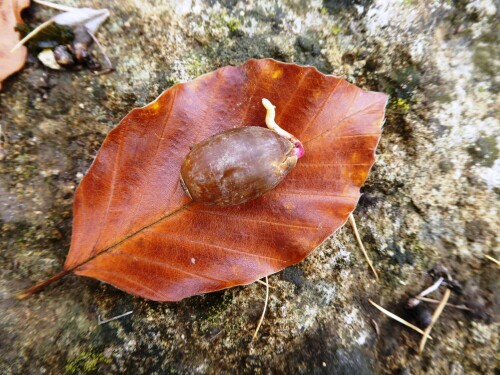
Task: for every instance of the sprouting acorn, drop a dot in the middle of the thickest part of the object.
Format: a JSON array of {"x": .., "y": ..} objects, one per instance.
[{"x": 240, "y": 164}]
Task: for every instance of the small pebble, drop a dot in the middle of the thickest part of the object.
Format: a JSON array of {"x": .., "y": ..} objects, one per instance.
[{"x": 47, "y": 58}]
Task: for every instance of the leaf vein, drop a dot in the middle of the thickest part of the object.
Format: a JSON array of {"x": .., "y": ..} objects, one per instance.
[
  {"x": 340, "y": 122},
  {"x": 224, "y": 248},
  {"x": 167, "y": 117},
  {"x": 322, "y": 107},
  {"x": 167, "y": 265},
  {"x": 111, "y": 194},
  {"x": 140, "y": 285},
  {"x": 313, "y": 194},
  {"x": 284, "y": 108},
  {"x": 256, "y": 221}
]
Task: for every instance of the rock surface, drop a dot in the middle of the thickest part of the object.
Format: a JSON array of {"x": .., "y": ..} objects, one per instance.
[{"x": 432, "y": 197}]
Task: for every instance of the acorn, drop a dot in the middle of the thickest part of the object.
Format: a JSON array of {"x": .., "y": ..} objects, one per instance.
[{"x": 240, "y": 164}]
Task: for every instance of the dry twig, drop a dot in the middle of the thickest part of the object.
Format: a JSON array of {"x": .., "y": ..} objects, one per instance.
[{"x": 64, "y": 8}]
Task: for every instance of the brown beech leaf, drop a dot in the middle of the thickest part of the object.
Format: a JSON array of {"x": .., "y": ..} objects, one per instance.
[
  {"x": 135, "y": 228},
  {"x": 10, "y": 15}
]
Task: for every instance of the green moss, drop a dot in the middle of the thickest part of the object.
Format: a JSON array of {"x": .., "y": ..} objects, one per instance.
[
  {"x": 439, "y": 96},
  {"x": 195, "y": 66},
  {"x": 237, "y": 50},
  {"x": 484, "y": 151},
  {"x": 445, "y": 165},
  {"x": 461, "y": 16},
  {"x": 308, "y": 52},
  {"x": 233, "y": 24},
  {"x": 419, "y": 250},
  {"x": 345, "y": 7},
  {"x": 405, "y": 80},
  {"x": 236, "y": 324},
  {"x": 86, "y": 362},
  {"x": 336, "y": 30},
  {"x": 401, "y": 79},
  {"x": 215, "y": 312},
  {"x": 484, "y": 59},
  {"x": 400, "y": 105}
]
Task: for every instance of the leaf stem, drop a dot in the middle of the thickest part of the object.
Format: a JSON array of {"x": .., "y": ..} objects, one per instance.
[{"x": 41, "y": 285}]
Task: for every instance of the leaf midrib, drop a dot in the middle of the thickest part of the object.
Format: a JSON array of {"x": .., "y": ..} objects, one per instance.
[{"x": 140, "y": 230}]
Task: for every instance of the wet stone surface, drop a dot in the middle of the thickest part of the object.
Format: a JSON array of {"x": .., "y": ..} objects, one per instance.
[{"x": 432, "y": 197}]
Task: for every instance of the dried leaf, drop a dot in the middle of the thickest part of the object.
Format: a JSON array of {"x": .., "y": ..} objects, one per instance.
[
  {"x": 135, "y": 228},
  {"x": 10, "y": 15},
  {"x": 88, "y": 17}
]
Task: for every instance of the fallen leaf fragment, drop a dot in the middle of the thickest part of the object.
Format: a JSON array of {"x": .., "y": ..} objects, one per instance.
[
  {"x": 88, "y": 17},
  {"x": 135, "y": 228},
  {"x": 10, "y": 15}
]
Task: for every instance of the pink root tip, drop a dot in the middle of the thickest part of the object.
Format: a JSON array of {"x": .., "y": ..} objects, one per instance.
[{"x": 299, "y": 149}]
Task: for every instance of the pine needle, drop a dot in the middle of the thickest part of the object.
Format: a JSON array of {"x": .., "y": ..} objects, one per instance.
[
  {"x": 397, "y": 318},
  {"x": 356, "y": 234},
  {"x": 32, "y": 34},
  {"x": 103, "y": 51},
  {"x": 435, "y": 317},
  {"x": 263, "y": 311},
  {"x": 64, "y": 8},
  {"x": 101, "y": 322},
  {"x": 435, "y": 301},
  {"x": 266, "y": 284},
  {"x": 492, "y": 259}
]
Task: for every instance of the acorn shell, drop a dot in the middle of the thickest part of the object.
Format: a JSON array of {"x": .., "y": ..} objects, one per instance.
[{"x": 236, "y": 165}]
